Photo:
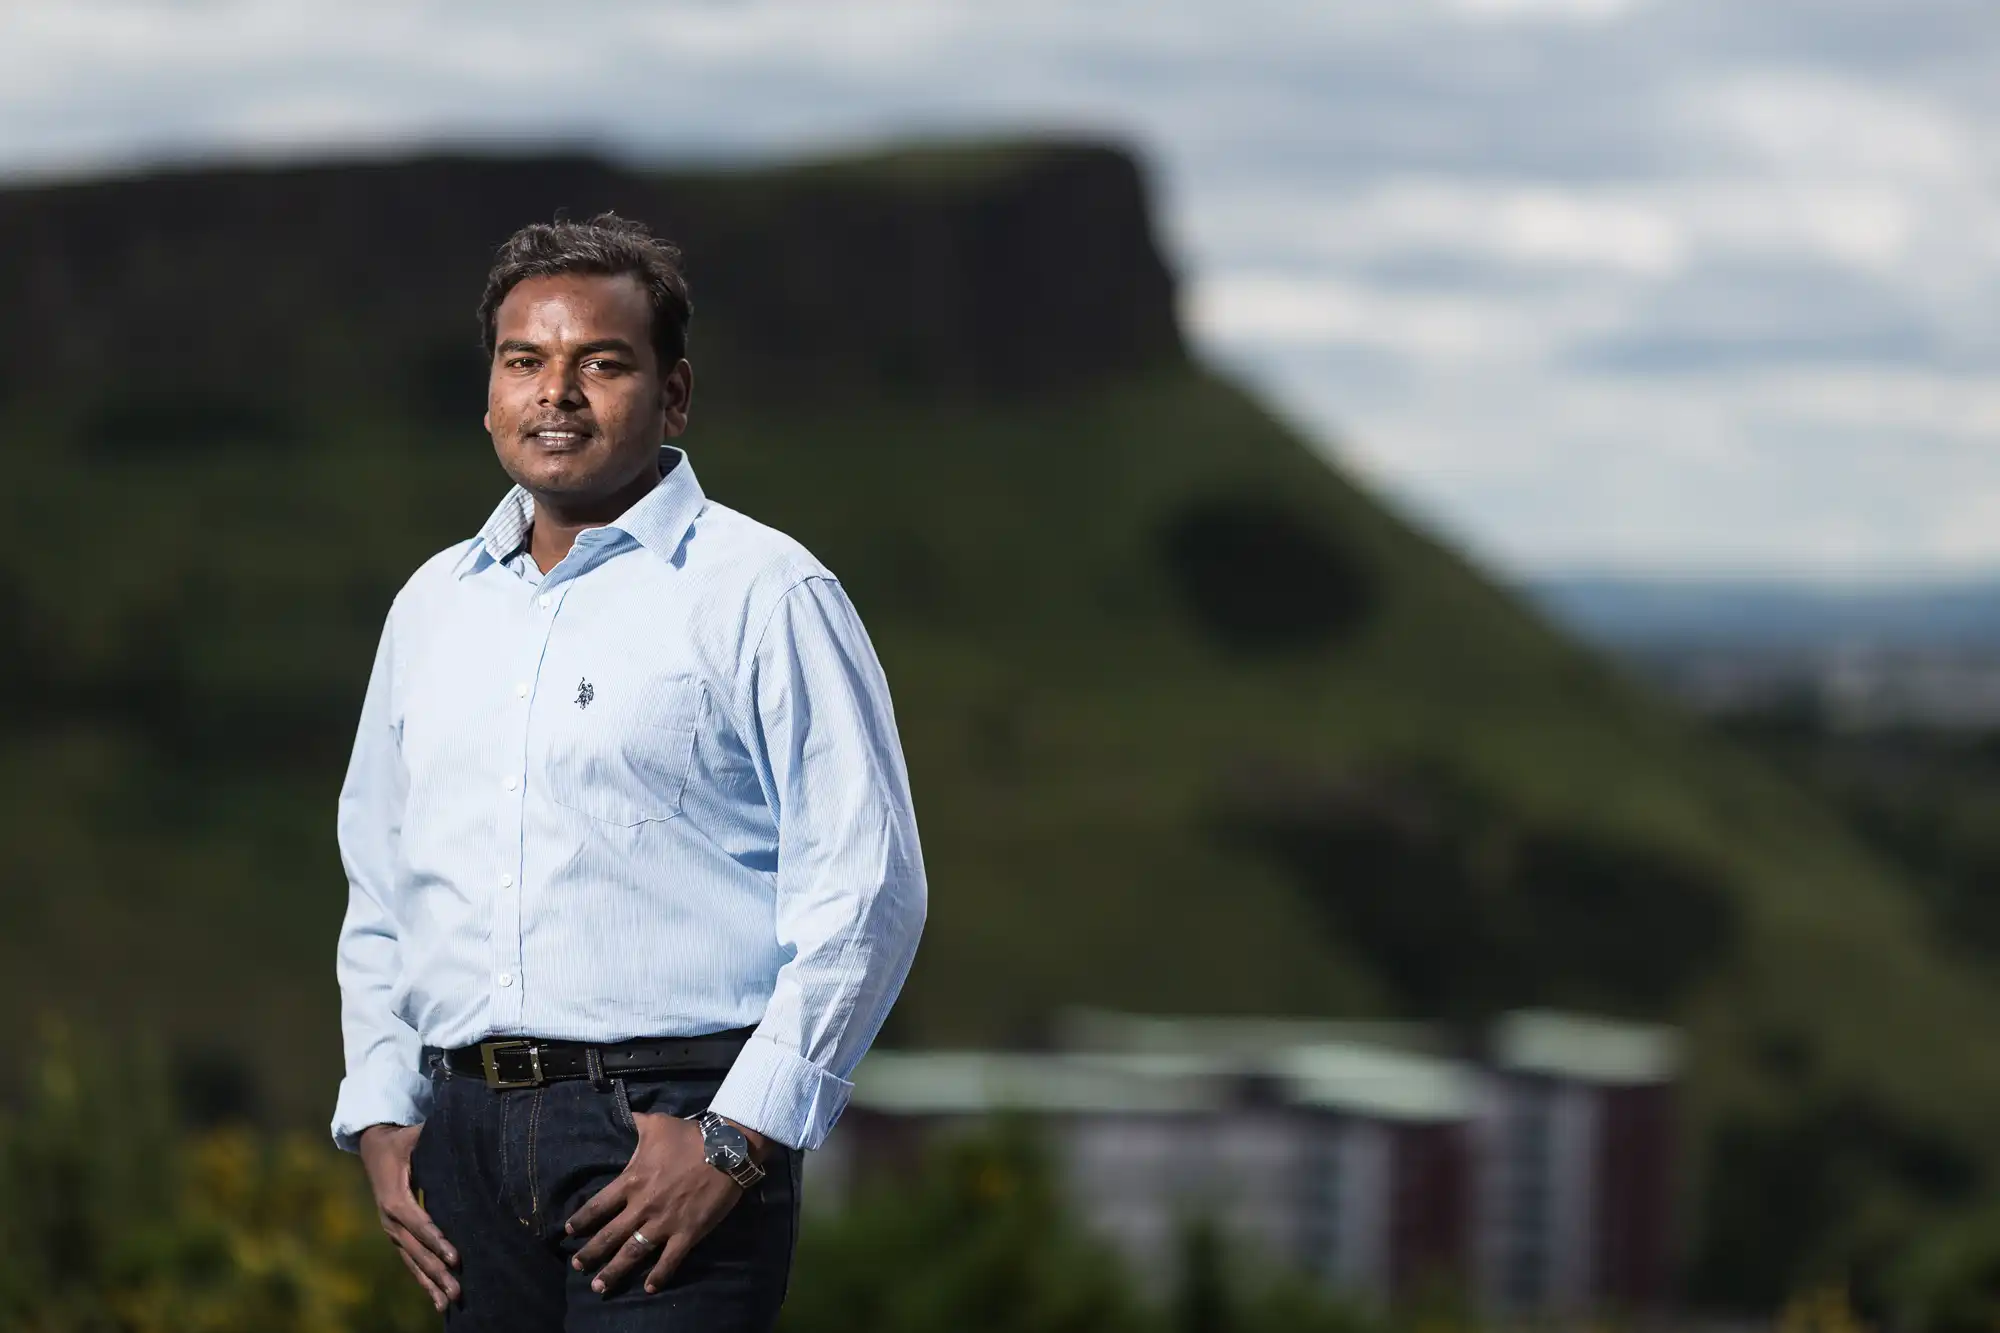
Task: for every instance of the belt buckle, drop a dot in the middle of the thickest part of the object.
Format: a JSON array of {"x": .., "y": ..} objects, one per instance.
[{"x": 492, "y": 1054}]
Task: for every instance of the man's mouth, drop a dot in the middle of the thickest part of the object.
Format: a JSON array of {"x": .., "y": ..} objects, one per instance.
[{"x": 558, "y": 434}]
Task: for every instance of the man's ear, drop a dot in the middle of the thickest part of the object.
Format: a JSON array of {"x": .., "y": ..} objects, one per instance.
[
  {"x": 486, "y": 420},
  {"x": 676, "y": 393}
]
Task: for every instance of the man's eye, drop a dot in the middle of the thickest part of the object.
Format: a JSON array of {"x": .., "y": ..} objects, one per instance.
[
  {"x": 520, "y": 363},
  {"x": 603, "y": 366}
]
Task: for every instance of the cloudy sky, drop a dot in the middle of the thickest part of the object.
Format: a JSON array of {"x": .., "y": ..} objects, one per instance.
[{"x": 1659, "y": 285}]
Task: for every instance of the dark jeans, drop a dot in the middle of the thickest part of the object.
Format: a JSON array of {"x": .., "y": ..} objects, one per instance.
[{"x": 501, "y": 1171}]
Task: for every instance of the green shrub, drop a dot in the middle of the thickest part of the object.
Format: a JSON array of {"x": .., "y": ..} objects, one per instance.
[
  {"x": 976, "y": 1243},
  {"x": 1949, "y": 1280},
  {"x": 111, "y": 1220}
]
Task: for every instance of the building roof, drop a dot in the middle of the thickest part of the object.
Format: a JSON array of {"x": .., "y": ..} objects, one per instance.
[
  {"x": 1591, "y": 1050},
  {"x": 978, "y": 1082},
  {"x": 1378, "y": 1083},
  {"x": 1082, "y": 1029},
  {"x": 1345, "y": 1077}
]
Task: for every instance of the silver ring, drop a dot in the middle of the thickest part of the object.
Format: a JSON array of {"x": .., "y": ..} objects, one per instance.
[{"x": 640, "y": 1237}]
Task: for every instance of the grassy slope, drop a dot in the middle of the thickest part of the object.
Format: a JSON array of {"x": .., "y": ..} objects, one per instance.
[{"x": 167, "y": 854}]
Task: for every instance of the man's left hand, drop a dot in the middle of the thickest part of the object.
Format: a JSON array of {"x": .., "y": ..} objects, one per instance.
[{"x": 665, "y": 1200}]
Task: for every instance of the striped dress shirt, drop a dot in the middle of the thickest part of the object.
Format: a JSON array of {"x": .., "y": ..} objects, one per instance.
[{"x": 657, "y": 791}]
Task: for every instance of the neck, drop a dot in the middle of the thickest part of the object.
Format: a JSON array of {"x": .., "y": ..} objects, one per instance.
[{"x": 558, "y": 521}]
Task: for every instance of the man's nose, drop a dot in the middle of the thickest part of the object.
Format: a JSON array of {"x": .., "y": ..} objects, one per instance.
[{"x": 559, "y": 386}]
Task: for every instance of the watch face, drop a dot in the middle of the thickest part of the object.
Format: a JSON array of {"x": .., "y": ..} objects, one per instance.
[{"x": 724, "y": 1145}]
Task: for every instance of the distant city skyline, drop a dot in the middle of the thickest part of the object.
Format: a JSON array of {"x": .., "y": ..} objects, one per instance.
[{"x": 1679, "y": 286}]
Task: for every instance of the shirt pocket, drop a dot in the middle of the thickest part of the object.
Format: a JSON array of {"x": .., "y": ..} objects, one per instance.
[{"x": 621, "y": 750}]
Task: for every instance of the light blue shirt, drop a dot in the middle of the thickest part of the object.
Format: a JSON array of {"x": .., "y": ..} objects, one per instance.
[{"x": 655, "y": 792}]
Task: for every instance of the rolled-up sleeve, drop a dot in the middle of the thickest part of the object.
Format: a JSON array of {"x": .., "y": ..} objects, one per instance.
[
  {"x": 850, "y": 878},
  {"x": 384, "y": 1083}
]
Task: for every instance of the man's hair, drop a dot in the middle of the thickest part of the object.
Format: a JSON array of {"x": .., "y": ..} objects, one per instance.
[{"x": 608, "y": 245}]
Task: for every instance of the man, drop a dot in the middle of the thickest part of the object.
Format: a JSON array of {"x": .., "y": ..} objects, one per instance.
[{"x": 628, "y": 840}]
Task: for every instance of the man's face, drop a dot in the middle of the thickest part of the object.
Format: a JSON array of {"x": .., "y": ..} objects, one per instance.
[{"x": 576, "y": 401}]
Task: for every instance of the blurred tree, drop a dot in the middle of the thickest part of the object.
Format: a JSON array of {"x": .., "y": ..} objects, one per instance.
[
  {"x": 1949, "y": 1280},
  {"x": 1833, "y": 1188},
  {"x": 1201, "y": 1298},
  {"x": 977, "y": 1242}
]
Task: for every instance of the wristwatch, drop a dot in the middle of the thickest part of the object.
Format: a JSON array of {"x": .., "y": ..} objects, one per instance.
[{"x": 725, "y": 1149}]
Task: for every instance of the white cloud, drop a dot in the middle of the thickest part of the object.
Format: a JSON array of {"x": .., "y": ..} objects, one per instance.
[
  {"x": 1524, "y": 223},
  {"x": 1906, "y": 408},
  {"x": 1812, "y": 123},
  {"x": 1251, "y": 309}
]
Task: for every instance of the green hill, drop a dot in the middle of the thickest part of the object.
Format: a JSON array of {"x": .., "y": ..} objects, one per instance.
[{"x": 1194, "y": 724}]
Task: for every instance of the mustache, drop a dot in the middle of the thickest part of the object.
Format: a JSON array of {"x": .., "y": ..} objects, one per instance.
[{"x": 574, "y": 424}]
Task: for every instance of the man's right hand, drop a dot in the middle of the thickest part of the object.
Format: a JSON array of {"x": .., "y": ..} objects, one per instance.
[{"x": 385, "y": 1154}]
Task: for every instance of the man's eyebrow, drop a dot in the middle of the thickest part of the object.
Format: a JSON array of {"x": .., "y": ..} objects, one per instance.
[{"x": 582, "y": 349}]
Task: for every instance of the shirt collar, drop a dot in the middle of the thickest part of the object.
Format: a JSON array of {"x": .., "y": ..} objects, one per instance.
[{"x": 658, "y": 522}]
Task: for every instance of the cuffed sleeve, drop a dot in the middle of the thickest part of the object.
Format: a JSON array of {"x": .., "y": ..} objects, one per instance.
[
  {"x": 387, "y": 1094},
  {"x": 775, "y": 1092},
  {"x": 851, "y": 895},
  {"x": 384, "y": 1083}
]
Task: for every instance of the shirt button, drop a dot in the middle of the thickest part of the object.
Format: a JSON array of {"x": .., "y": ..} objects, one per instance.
[
  {"x": 521, "y": 689},
  {"x": 543, "y": 600},
  {"x": 513, "y": 783},
  {"x": 506, "y": 979},
  {"x": 506, "y": 881}
]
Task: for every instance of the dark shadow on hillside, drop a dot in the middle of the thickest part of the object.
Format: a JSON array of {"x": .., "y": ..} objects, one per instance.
[
  {"x": 1465, "y": 909},
  {"x": 1262, "y": 579}
]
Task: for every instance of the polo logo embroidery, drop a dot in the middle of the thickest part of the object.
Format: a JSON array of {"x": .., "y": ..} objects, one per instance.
[{"x": 584, "y": 694}]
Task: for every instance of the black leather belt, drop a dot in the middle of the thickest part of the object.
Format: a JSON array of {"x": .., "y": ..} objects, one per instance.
[{"x": 529, "y": 1062}]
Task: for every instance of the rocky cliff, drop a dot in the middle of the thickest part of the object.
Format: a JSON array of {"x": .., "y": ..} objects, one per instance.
[{"x": 1001, "y": 273}]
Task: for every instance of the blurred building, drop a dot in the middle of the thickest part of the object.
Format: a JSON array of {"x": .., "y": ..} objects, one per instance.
[
  {"x": 1575, "y": 1144},
  {"x": 1536, "y": 1175}
]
